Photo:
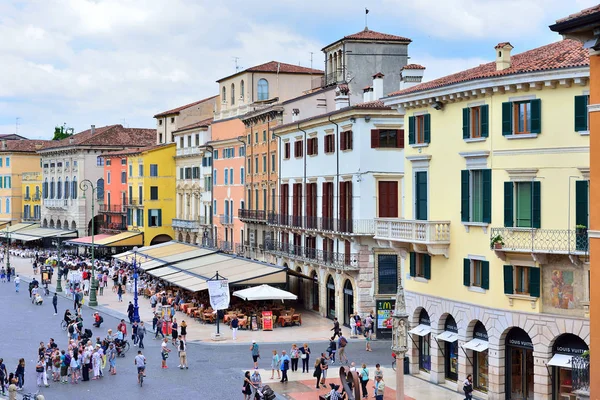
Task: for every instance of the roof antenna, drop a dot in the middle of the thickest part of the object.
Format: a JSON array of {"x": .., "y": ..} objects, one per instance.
[
  {"x": 366, "y": 13},
  {"x": 17, "y": 125},
  {"x": 311, "y": 60},
  {"x": 237, "y": 67}
]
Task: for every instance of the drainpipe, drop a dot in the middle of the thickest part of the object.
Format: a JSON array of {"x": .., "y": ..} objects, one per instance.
[
  {"x": 278, "y": 178},
  {"x": 244, "y": 190},
  {"x": 304, "y": 156},
  {"x": 252, "y": 165},
  {"x": 337, "y": 173},
  {"x": 212, "y": 193}
]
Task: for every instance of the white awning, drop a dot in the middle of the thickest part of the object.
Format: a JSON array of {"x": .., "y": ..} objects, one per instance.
[
  {"x": 420, "y": 330},
  {"x": 448, "y": 336},
  {"x": 560, "y": 360},
  {"x": 477, "y": 345}
]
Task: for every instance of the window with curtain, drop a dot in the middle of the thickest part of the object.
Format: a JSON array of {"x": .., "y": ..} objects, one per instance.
[
  {"x": 52, "y": 189},
  {"x": 74, "y": 188},
  {"x": 523, "y": 204},
  {"x": 477, "y": 196},
  {"x": 8, "y": 206},
  {"x": 387, "y": 273},
  {"x": 59, "y": 188},
  {"x": 100, "y": 189},
  {"x": 67, "y": 188},
  {"x": 263, "y": 89},
  {"x": 232, "y": 94}
]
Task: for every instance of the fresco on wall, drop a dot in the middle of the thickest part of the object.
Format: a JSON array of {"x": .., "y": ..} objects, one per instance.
[{"x": 562, "y": 289}]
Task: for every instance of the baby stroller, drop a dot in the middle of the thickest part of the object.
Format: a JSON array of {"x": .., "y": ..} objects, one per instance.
[
  {"x": 86, "y": 335},
  {"x": 38, "y": 300}
]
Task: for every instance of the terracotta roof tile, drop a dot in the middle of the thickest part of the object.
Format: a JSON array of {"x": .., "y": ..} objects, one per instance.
[
  {"x": 375, "y": 104},
  {"x": 272, "y": 66},
  {"x": 583, "y": 13},
  {"x": 378, "y": 75},
  {"x": 564, "y": 54},
  {"x": 198, "y": 124},
  {"x": 112, "y": 135},
  {"x": 501, "y": 45},
  {"x": 368, "y": 34},
  {"x": 178, "y": 109},
  {"x": 412, "y": 66},
  {"x": 136, "y": 150},
  {"x": 24, "y": 146}
]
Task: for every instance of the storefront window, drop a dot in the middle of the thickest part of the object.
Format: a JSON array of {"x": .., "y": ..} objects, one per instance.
[
  {"x": 519, "y": 364},
  {"x": 450, "y": 336},
  {"x": 330, "y": 298},
  {"x": 565, "y": 348},
  {"x": 481, "y": 371},
  {"x": 425, "y": 353}
]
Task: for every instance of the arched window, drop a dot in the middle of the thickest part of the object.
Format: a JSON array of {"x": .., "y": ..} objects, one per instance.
[
  {"x": 59, "y": 189},
  {"x": 74, "y": 188},
  {"x": 26, "y": 192},
  {"x": 242, "y": 94},
  {"x": 223, "y": 95},
  {"x": 67, "y": 188},
  {"x": 8, "y": 206},
  {"x": 232, "y": 94},
  {"x": 263, "y": 89},
  {"x": 100, "y": 189},
  {"x": 52, "y": 189},
  {"x": 45, "y": 189}
]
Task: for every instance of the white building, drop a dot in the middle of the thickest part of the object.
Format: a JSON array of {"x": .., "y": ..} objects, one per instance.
[
  {"x": 339, "y": 171},
  {"x": 66, "y": 163}
]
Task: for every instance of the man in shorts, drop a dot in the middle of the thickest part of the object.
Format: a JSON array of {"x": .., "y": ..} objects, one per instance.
[{"x": 140, "y": 363}]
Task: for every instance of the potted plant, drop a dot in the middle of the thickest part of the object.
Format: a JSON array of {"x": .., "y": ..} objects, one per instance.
[
  {"x": 580, "y": 229},
  {"x": 581, "y": 237},
  {"x": 497, "y": 242}
]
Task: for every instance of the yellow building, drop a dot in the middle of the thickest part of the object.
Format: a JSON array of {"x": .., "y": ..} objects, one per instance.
[
  {"x": 31, "y": 191},
  {"x": 18, "y": 159},
  {"x": 151, "y": 191},
  {"x": 493, "y": 227}
]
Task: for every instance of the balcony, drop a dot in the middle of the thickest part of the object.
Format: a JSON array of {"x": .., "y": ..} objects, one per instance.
[
  {"x": 541, "y": 242},
  {"x": 136, "y": 204},
  {"x": 36, "y": 197},
  {"x": 432, "y": 237},
  {"x": 246, "y": 215},
  {"x": 113, "y": 227},
  {"x": 31, "y": 218},
  {"x": 61, "y": 204},
  {"x": 334, "y": 77},
  {"x": 355, "y": 227},
  {"x": 192, "y": 225},
  {"x": 188, "y": 151},
  {"x": 324, "y": 258},
  {"x": 226, "y": 219},
  {"x": 112, "y": 209}
]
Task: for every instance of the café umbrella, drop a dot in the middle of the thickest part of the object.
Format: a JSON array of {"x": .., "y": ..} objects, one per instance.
[{"x": 264, "y": 292}]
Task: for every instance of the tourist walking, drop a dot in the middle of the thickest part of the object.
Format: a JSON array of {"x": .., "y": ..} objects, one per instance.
[
  {"x": 20, "y": 373},
  {"x": 318, "y": 371},
  {"x": 159, "y": 324},
  {"x": 468, "y": 387},
  {"x": 324, "y": 368},
  {"x": 174, "y": 332},
  {"x": 3, "y": 376},
  {"x": 379, "y": 388},
  {"x": 183, "y": 355},
  {"x": 255, "y": 353},
  {"x": 141, "y": 333},
  {"x": 130, "y": 312},
  {"x": 55, "y": 303},
  {"x": 284, "y": 365},
  {"x": 134, "y": 333},
  {"x": 295, "y": 356},
  {"x": 111, "y": 354},
  {"x": 305, "y": 357},
  {"x": 234, "y": 326},
  {"x": 332, "y": 349},
  {"x": 364, "y": 379},
  {"x": 256, "y": 384},
  {"x": 342, "y": 343},
  {"x": 275, "y": 365},
  {"x": 247, "y": 386},
  {"x": 120, "y": 293},
  {"x": 336, "y": 328},
  {"x": 17, "y": 282},
  {"x": 183, "y": 332},
  {"x": 164, "y": 351}
]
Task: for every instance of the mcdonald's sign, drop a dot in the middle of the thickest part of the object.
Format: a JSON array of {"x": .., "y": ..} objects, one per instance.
[{"x": 385, "y": 309}]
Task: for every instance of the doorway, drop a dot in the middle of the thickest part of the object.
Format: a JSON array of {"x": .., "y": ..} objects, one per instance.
[
  {"x": 330, "y": 297},
  {"x": 348, "y": 301},
  {"x": 519, "y": 365}
]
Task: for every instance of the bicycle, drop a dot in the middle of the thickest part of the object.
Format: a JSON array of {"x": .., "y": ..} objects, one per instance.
[
  {"x": 141, "y": 377},
  {"x": 63, "y": 325},
  {"x": 31, "y": 396},
  {"x": 394, "y": 362}
]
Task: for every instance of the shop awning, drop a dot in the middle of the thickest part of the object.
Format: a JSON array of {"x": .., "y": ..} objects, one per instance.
[
  {"x": 86, "y": 240},
  {"x": 477, "y": 345},
  {"x": 163, "y": 254},
  {"x": 298, "y": 274},
  {"x": 4, "y": 223},
  {"x": 448, "y": 336},
  {"x": 560, "y": 360},
  {"x": 122, "y": 239},
  {"x": 27, "y": 235},
  {"x": 18, "y": 227},
  {"x": 420, "y": 330}
]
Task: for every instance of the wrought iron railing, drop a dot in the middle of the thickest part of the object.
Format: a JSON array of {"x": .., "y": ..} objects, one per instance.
[
  {"x": 417, "y": 231},
  {"x": 226, "y": 219},
  {"x": 559, "y": 241},
  {"x": 580, "y": 373},
  {"x": 321, "y": 224},
  {"x": 253, "y": 215},
  {"x": 112, "y": 227},
  {"x": 309, "y": 254},
  {"x": 116, "y": 209}
]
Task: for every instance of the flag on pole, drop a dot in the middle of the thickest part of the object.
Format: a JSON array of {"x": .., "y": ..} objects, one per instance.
[{"x": 366, "y": 10}]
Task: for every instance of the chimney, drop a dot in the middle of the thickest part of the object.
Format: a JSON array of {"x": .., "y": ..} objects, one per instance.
[
  {"x": 71, "y": 140},
  {"x": 368, "y": 94},
  {"x": 295, "y": 114},
  {"x": 377, "y": 86},
  {"x": 411, "y": 75},
  {"x": 3, "y": 144},
  {"x": 503, "y": 55},
  {"x": 342, "y": 100},
  {"x": 93, "y": 129}
]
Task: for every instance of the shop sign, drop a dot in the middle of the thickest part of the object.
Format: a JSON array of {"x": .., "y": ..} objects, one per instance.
[
  {"x": 450, "y": 324},
  {"x": 479, "y": 332},
  {"x": 519, "y": 338},
  {"x": 569, "y": 344},
  {"x": 424, "y": 318},
  {"x": 385, "y": 309}
]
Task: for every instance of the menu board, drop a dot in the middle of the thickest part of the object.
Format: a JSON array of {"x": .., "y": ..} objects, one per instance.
[
  {"x": 385, "y": 309},
  {"x": 267, "y": 320}
]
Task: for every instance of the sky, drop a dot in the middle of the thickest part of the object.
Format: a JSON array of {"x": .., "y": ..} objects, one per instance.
[{"x": 103, "y": 62}]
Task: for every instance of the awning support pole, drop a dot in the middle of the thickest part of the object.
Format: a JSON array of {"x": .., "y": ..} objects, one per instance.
[
  {"x": 439, "y": 347},
  {"x": 466, "y": 355}
]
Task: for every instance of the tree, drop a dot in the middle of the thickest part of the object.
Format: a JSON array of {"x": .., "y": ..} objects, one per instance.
[{"x": 62, "y": 132}]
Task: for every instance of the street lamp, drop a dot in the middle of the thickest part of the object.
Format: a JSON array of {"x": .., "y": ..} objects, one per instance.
[
  {"x": 7, "y": 254},
  {"x": 86, "y": 185},
  {"x": 59, "y": 272},
  {"x": 136, "y": 313},
  {"x": 400, "y": 340}
]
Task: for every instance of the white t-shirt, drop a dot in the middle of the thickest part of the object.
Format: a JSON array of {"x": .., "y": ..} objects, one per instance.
[
  {"x": 164, "y": 347},
  {"x": 140, "y": 360}
]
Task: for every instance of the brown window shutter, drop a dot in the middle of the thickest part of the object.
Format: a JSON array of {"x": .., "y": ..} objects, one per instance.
[
  {"x": 383, "y": 199},
  {"x": 324, "y": 200},
  {"x": 343, "y": 141},
  {"x": 316, "y": 146},
  {"x": 309, "y": 147},
  {"x": 342, "y": 197},
  {"x": 400, "y": 138},
  {"x": 295, "y": 200},
  {"x": 393, "y": 199},
  {"x": 374, "y": 138},
  {"x": 349, "y": 200},
  {"x": 349, "y": 140}
]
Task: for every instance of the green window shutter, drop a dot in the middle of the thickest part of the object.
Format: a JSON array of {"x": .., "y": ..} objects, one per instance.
[
  {"x": 487, "y": 195},
  {"x": 536, "y": 116},
  {"x": 536, "y": 203},
  {"x": 464, "y": 195},
  {"x": 485, "y": 117},
  {"x": 427, "y": 128},
  {"x": 508, "y": 280},
  {"x": 507, "y": 110},
  {"x": 466, "y": 123},
  {"x": 581, "y": 113},
  {"x": 159, "y": 217},
  {"x": 509, "y": 193},
  {"x": 485, "y": 275},
  {"x": 413, "y": 271},
  {"x": 411, "y": 130},
  {"x": 581, "y": 203},
  {"x": 427, "y": 266},
  {"x": 534, "y": 282},
  {"x": 466, "y": 272},
  {"x": 149, "y": 218},
  {"x": 421, "y": 195}
]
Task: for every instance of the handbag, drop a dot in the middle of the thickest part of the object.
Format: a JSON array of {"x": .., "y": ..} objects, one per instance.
[
  {"x": 303, "y": 356},
  {"x": 315, "y": 374}
]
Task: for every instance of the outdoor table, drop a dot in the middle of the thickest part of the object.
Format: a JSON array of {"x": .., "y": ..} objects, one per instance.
[
  {"x": 297, "y": 318},
  {"x": 285, "y": 319},
  {"x": 208, "y": 317},
  {"x": 191, "y": 310}
]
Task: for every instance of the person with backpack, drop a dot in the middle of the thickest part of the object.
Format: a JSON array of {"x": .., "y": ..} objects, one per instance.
[
  {"x": 332, "y": 349},
  {"x": 364, "y": 379},
  {"x": 284, "y": 366},
  {"x": 468, "y": 387},
  {"x": 336, "y": 328},
  {"x": 342, "y": 342}
]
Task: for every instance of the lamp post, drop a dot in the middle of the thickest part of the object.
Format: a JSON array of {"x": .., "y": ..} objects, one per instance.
[
  {"x": 400, "y": 340},
  {"x": 136, "y": 313},
  {"x": 86, "y": 185},
  {"x": 59, "y": 274},
  {"x": 7, "y": 253}
]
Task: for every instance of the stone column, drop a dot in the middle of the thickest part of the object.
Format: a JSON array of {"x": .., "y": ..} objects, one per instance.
[
  {"x": 436, "y": 374},
  {"x": 400, "y": 340},
  {"x": 542, "y": 382},
  {"x": 496, "y": 371}
]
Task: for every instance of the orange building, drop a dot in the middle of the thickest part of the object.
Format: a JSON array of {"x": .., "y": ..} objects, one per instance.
[
  {"x": 114, "y": 209},
  {"x": 585, "y": 27},
  {"x": 228, "y": 182}
]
